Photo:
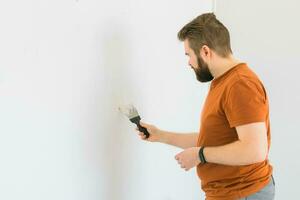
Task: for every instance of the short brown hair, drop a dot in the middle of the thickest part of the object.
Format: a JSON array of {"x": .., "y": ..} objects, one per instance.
[{"x": 206, "y": 29}]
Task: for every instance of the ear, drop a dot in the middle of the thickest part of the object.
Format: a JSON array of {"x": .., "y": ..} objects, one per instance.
[{"x": 205, "y": 52}]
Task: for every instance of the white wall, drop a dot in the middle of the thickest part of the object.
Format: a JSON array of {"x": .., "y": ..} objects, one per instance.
[
  {"x": 65, "y": 66},
  {"x": 266, "y": 35}
]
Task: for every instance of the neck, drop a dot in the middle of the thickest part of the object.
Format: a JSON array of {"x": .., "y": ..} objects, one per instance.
[{"x": 222, "y": 65}]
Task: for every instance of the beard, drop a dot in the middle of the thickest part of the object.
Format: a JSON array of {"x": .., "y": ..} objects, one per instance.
[{"x": 202, "y": 72}]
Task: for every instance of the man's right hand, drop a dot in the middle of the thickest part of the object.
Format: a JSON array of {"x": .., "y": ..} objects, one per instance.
[{"x": 154, "y": 132}]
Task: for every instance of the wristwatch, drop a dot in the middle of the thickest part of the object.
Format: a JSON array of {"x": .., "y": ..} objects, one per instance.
[{"x": 201, "y": 156}]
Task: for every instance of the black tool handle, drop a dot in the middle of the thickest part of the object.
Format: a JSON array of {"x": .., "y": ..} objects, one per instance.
[{"x": 137, "y": 120}]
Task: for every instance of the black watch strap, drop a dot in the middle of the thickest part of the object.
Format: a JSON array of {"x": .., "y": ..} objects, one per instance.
[{"x": 201, "y": 156}]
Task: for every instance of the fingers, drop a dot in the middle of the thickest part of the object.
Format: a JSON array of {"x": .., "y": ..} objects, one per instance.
[
  {"x": 179, "y": 161},
  {"x": 143, "y": 136},
  {"x": 183, "y": 166},
  {"x": 140, "y": 133}
]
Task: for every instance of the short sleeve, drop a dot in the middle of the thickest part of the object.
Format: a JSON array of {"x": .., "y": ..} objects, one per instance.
[{"x": 246, "y": 103}]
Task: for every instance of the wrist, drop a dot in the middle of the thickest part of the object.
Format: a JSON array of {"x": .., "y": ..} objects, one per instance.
[{"x": 161, "y": 136}]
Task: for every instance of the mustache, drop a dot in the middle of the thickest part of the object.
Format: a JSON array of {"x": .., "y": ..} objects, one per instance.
[{"x": 192, "y": 66}]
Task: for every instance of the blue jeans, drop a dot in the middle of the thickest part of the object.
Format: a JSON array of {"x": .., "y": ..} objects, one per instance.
[{"x": 267, "y": 193}]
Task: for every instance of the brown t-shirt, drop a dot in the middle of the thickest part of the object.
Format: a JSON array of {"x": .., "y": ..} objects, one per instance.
[{"x": 235, "y": 98}]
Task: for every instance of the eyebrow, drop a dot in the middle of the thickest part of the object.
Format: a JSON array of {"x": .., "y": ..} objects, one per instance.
[{"x": 186, "y": 54}]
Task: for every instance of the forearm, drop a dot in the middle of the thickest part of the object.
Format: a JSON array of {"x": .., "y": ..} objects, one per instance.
[
  {"x": 236, "y": 153},
  {"x": 181, "y": 140}
]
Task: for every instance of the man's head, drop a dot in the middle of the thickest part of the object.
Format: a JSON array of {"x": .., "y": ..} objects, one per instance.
[{"x": 206, "y": 40}]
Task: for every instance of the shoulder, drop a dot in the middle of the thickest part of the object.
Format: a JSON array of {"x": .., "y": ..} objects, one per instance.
[
  {"x": 245, "y": 85},
  {"x": 245, "y": 79}
]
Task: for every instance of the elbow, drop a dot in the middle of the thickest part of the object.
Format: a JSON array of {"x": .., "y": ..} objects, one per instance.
[{"x": 258, "y": 155}]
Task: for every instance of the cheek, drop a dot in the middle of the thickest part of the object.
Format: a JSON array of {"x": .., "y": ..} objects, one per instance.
[{"x": 193, "y": 62}]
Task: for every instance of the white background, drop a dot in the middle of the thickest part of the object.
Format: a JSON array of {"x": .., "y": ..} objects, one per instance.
[{"x": 65, "y": 67}]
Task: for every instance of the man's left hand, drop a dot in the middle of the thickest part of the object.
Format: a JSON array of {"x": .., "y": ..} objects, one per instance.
[{"x": 188, "y": 158}]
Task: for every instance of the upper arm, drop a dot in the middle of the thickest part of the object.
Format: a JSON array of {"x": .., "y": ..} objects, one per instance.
[{"x": 254, "y": 136}]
